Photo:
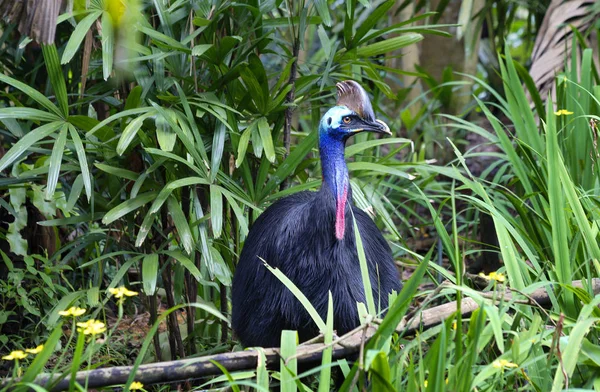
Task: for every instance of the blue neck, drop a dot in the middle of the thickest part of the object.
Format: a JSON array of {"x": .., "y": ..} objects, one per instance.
[
  {"x": 335, "y": 177},
  {"x": 335, "y": 171}
]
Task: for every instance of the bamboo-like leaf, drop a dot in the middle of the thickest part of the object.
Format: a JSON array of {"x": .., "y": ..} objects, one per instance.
[
  {"x": 290, "y": 163},
  {"x": 57, "y": 79},
  {"x": 76, "y": 189},
  {"x": 199, "y": 50},
  {"x": 160, "y": 200},
  {"x": 20, "y": 113},
  {"x": 369, "y": 144},
  {"x": 116, "y": 116},
  {"x": 243, "y": 146},
  {"x": 323, "y": 10},
  {"x": 127, "y": 206},
  {"x": 107, "y": 45},
  {"x": 388, "y": 45},
  {"x": 150, "y": 273},
  {"x": 267, "y": 140},
  {"x": 372, "y": 20},
  {"x": 239, "y": 212},
  {"x": 186, "y": 263},
  {"x": 181, "y": 224},
  {"x": 217, "y": 150},
  {"x": 164, "y": 135},
  {"x": 27, "y": 142},
  {"x": 118, "y": 171},
  {"x": 130, "y": 131},
  {"x": 78, "y": 35},
  {"x": 377, "y": 167},
  {"x": 32, "y": 93},
  {"x": 216, "y": 210},
  {"x": 80, "y": 150},
  {"x": 55, "y": 162},
  {"x": 219, "y": 268}
]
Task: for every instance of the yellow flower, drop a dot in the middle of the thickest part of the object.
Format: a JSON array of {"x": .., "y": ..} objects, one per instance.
[
  {"x": 497, "y": 276},
  {"x": 91, "y": 327},
  {"x": 73, "y": 311},
  {"x": 135, "y": 386},
  {"x": 15, "y": 355},
  {"x": 563, "y": 112},
  {"x": 122, "y": 292},
  {"x": 35, "y": 350},
  {"x": 503, "y": 364}
]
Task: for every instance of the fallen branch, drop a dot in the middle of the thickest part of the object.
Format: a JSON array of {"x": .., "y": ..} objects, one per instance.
[{"x": 171, "y": 371}]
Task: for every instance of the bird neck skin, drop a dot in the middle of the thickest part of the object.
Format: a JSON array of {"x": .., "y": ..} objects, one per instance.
[{"x": 335, "y": 177}]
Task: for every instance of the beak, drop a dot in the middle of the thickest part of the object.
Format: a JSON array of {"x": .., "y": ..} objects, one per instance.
[{"x": 377, "y": 126}]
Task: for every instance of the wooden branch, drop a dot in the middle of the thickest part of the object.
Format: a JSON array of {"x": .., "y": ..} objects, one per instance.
[{"x": 164, "y": 372}]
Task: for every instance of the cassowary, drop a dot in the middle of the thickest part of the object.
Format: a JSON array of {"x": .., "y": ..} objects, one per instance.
[{"x": 309, "y": 236}]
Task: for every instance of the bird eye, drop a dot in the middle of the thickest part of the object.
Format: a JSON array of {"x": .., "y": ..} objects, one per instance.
[{"x": 347, "y": 119}]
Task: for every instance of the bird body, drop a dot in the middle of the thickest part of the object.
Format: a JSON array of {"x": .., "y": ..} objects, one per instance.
[{"x": 310, "y": 237}]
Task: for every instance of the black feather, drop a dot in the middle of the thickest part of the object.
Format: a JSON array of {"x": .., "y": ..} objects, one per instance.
[{"x": 297, "y": 235}]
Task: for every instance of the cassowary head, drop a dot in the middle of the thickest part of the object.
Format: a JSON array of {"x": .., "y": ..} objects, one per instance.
[{"x": 352, "y": 114}]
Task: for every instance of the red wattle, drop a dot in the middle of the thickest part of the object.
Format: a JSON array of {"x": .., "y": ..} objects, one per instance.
[{"x": 340, "y": 215}]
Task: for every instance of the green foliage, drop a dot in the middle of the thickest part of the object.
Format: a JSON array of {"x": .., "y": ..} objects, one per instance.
[{"x": 148, "y": 165}]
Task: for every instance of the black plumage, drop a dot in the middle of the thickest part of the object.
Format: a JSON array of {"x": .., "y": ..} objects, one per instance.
[{"x": 309, "y": 236}]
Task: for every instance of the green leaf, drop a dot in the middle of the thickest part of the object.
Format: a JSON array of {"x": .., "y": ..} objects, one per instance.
[
  {"x": 78, "y": 35},
  {"x": 107, "y": 45},
  {"x": 127, "y": 206},
  {"x": 165, "y": 136},
  {"x": 262, "y": 374},
  {"x": 37, "y": 366},
  {"x": 33, "y": 94},
  {"x": 364, "y": 268},
  {"x": 199, "y": 50},
  {"x": 267, "y": 140},
  {"x": 20, "y": 113},
  {"x": 388, "y": 45},
  {"x": 217, "y": 150},
  {"x": 216, "y": 210},
  {"x": 379, "y": 168},
  {"x": 323, "y": 11},
  {"x": 56, "y": 161},
  {"x": 27, "y": 142},
  {"x": 76, "y": 189},
  {"x": 85, "y": 172},
  {"x": 181, "y": 224},
  {"x": 57, "y": 80},
  {"x": 150, "y": 273},
  {"x": 325, "y": 376},
  {"x": 379, "y": 372},
  {"x": 288, "y": 372},
  {"x": 118, "y": 171},
  {"x": 219, "y": 268},
  {"x": 186, "y": 263},
  {"x": 130, "y": 131},
  {"x": 243, "y": 146},
  {"x": 290, "y": 163}
]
